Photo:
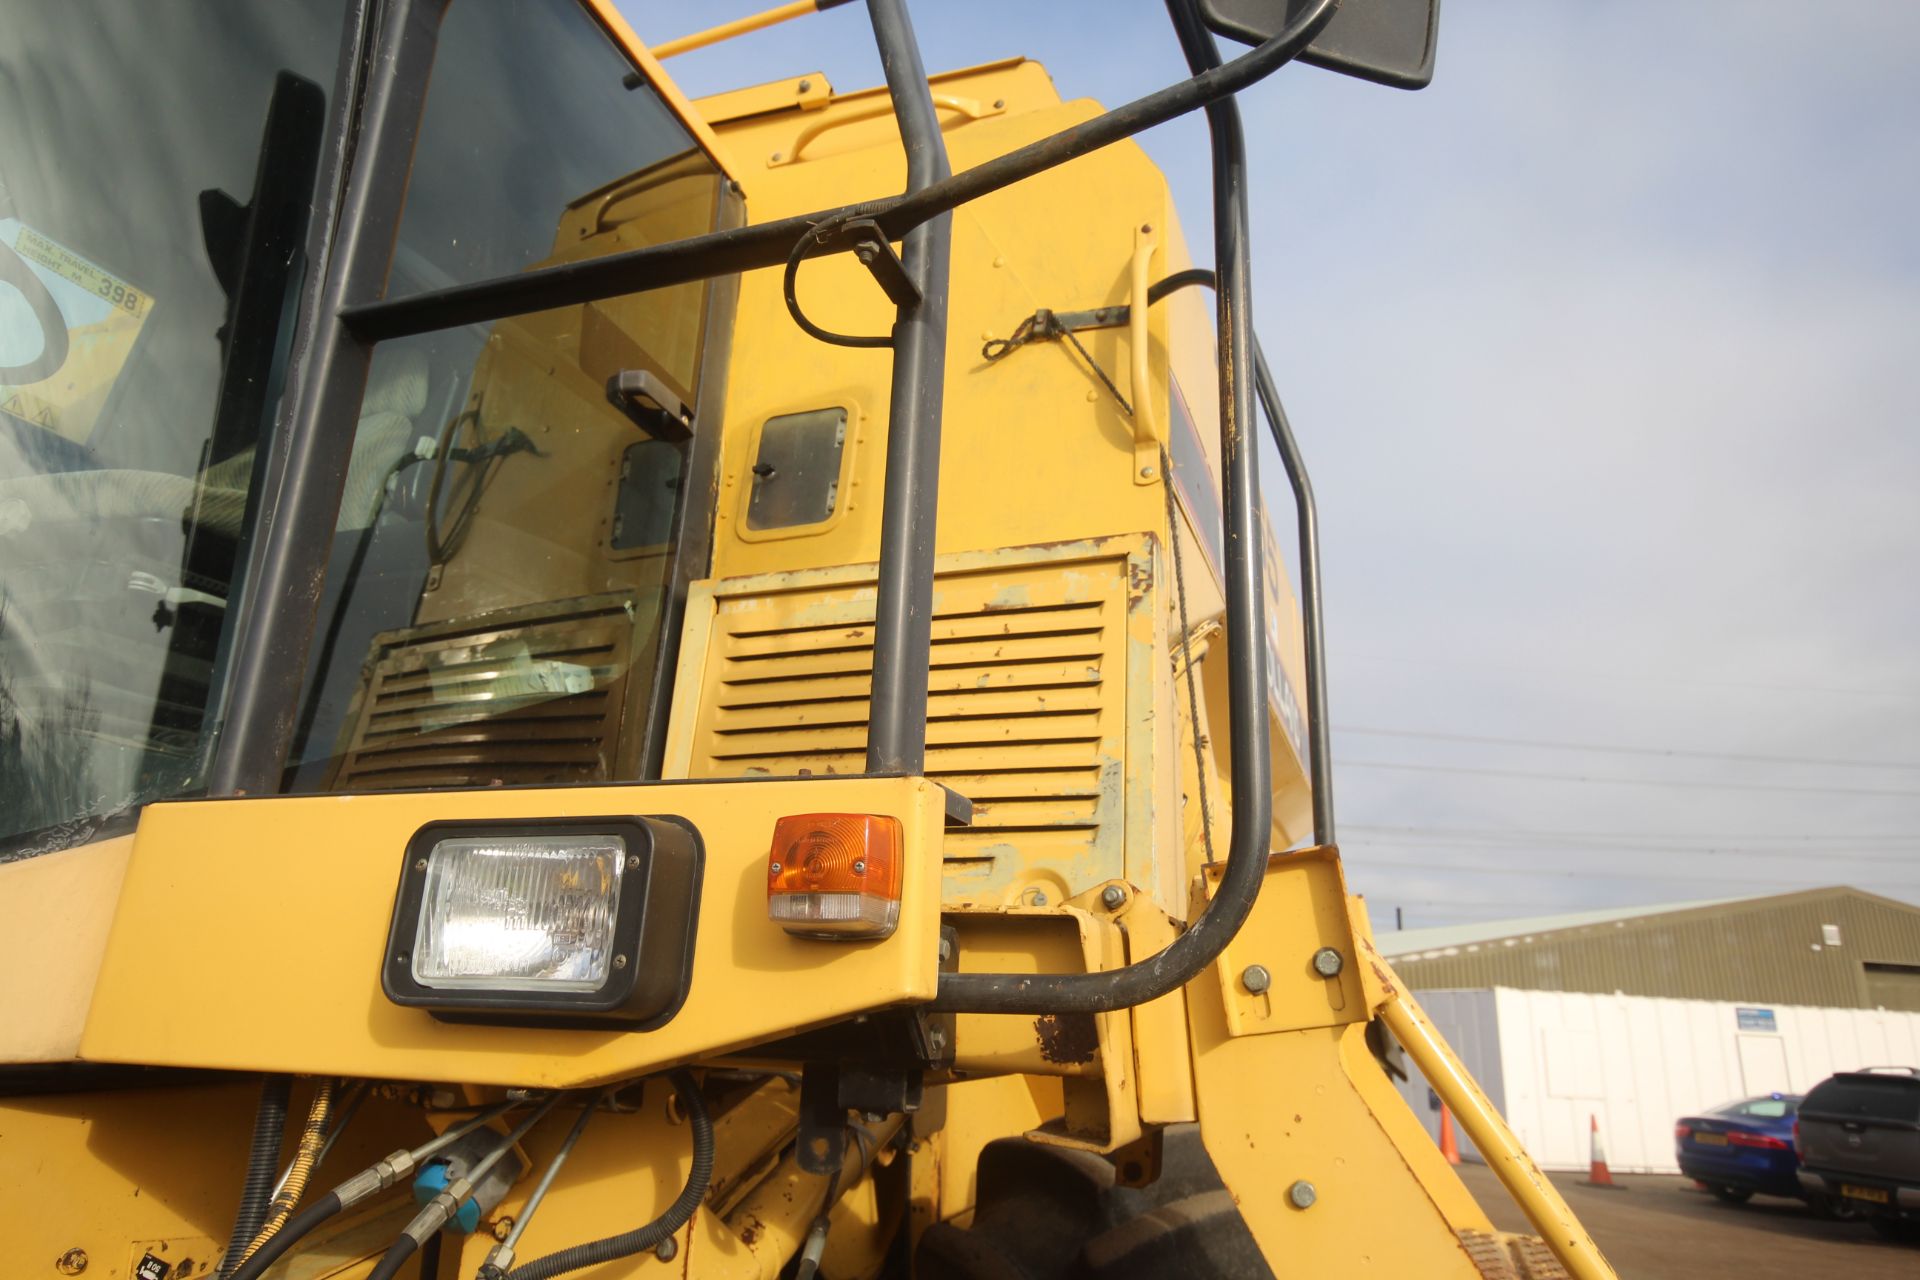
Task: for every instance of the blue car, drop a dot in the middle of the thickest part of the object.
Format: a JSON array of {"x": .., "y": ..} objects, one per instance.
[{"x": 1742, "y": 1148}]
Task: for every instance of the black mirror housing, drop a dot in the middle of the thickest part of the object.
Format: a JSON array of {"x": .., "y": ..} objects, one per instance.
[{"x": 1389, "y": 42}]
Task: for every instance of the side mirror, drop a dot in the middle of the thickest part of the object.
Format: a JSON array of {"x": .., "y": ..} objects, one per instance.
[{"x": 1389, "y": 42}]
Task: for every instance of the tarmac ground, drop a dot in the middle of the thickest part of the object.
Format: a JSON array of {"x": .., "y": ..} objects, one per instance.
[{"x": 1666, "y": 1228}]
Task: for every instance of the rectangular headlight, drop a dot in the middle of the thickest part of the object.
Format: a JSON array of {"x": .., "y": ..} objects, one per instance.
[
  {"x": 520, "y": 913},
  {"x": 589, "y": 921}
]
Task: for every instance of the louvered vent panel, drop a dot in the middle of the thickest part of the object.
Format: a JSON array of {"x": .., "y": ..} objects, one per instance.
[
  {"x": 1025, "y": 709},
  {"x": 533, "y": 696}
]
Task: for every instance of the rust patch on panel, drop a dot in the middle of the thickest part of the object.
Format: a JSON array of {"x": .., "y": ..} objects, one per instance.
[{"x": 1067, "y": 1037}]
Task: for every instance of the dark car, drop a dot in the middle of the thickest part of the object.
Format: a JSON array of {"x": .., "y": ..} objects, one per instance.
[
  {"x": 1742, "y": 1148},
  {"x": 1858, "y": 1137}
]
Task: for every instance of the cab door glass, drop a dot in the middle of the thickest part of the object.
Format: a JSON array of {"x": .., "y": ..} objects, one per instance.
[
  {"x": 492, "y": 609},
  {"x": 157, "y": 165}
]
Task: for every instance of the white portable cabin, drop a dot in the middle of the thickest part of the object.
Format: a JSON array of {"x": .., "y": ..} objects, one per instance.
[{"x": 1551, "y": 1060}]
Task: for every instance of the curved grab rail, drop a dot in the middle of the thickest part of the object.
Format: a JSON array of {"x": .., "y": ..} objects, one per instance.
[{"x": 971, "y": 108}]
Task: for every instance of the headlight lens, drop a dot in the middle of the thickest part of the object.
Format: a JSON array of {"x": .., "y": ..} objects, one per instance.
[{"x": 520, "y": 913}]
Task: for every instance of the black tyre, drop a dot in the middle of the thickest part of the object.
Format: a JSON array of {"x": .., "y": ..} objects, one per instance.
[
  {"x": 1833, "y": 1208},
  {"x": 1730, "y": 1195},
  {"x": 1044, "y": 1213},
  {"x": 1888, "y": 1227}
]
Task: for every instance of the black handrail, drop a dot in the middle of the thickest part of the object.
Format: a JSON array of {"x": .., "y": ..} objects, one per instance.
[
  {"x": 903, "y": 613},
  {"x": 1312, "y": 613},
  {"x": 371, "y": 149}
]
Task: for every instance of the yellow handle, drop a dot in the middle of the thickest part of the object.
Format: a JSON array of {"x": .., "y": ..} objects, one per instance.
[
  {"x": 1146, "y": 432},
  {"x": 1537, "y": 1197},
  {"x": 968, "y": 107}
]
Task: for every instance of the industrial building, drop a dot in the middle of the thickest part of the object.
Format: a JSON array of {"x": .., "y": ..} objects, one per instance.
[
  {"x": 1835, "y": 948},
  {"x": 1556, "y": 1063},
  {"x": 1626, "y": 1019}
]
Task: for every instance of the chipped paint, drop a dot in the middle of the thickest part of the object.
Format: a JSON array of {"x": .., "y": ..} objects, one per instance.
[{"x": 1016, "y": 596}]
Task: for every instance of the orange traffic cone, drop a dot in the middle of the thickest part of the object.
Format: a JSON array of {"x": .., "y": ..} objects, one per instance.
[
  {"x": 1598, "y": 1175},
  {"x": 1449, "y": 1145}
]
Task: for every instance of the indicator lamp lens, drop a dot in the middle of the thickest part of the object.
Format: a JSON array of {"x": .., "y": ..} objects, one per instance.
[
  {"x": 519, "y": 913},
  {"x": 835, "y": 875}
]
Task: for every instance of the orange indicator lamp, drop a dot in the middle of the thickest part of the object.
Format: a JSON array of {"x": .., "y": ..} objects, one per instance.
[{"x": 835, "y": 875}]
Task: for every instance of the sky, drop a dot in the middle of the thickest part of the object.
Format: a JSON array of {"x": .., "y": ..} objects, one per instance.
[{"x": 1604, "y": 353}]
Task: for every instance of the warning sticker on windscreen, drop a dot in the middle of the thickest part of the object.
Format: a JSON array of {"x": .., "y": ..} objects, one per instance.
[{"x": 67, "y": 327}]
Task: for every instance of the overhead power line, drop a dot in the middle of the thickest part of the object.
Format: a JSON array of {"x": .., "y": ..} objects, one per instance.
[
  {"x": 1533, "y": 833},
  {"x": 1910, "y": 854},
  {"x": 1550, "y": 873},
  {"x": 1668, "y": 783},
  {"x": 1509, "y": 670},
  {"x": 1668, "y": 752}
]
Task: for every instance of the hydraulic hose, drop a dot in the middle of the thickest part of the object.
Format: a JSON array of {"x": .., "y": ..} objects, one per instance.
[
  {"x": 501, "y": 1259},
  {"x": 306, "y": 1155},
  {"x": 649, "y": 1236},
  {"x": 1243, "y": 579},
  {"x": 440, "y": 1210},
  {"x": 269, "y": 1127},
  {"x": 369, "y": 1182}
]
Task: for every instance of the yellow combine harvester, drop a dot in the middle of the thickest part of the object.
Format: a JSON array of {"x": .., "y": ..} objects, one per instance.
[{"x": 595, "y": 684}]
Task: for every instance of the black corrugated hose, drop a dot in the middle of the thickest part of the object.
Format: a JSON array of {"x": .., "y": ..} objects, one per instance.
[
  {"x": 313, "y": 1136},
  {"x": 640, "y": 1239},
  {"x": 263, "y": 1166}
]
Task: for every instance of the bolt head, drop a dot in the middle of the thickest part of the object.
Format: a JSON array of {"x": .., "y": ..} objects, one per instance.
[
  {"x": 859, "y": 866},
  {"x": 1112, "y": 897},
  {"x": 1327, "y": 962},
  {"x": 1148, "y": 473},
  {"x": 805, "y": 85},
  {"x": 1255, "y": 978},
  {"x": 1302, "y": 1195},
  {"x": 619, "y": 962},
  {"x": 773, "y": 868}
]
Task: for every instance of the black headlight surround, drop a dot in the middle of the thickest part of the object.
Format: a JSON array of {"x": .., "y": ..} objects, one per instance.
[{"x": 654, "y": 928}]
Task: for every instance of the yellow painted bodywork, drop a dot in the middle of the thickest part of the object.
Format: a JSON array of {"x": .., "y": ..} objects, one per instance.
[
  {"x": 118, "y": 1174},
  {"x": 303, "y": 888},
  {"x": 55, "y": 913},
  {"x": 1337, "y": 1123}
]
